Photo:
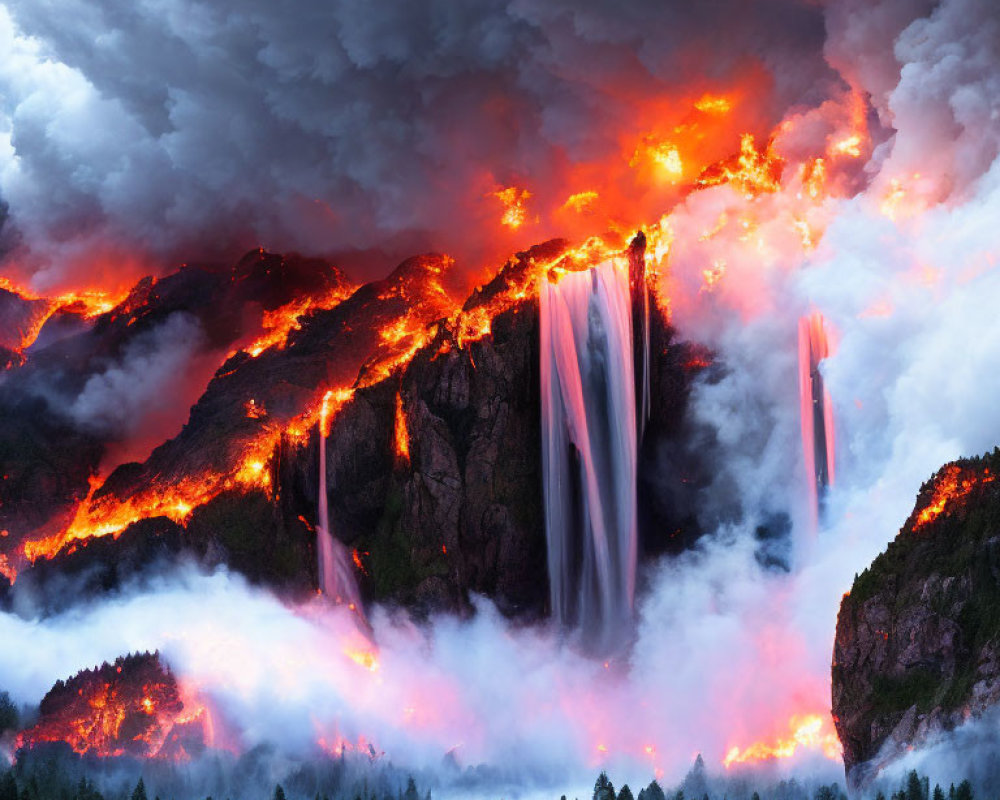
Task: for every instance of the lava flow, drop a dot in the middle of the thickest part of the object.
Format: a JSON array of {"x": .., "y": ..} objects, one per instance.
[{"x": 949, "y": 490}]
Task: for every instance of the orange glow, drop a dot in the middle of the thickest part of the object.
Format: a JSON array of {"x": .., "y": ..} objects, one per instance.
[
  {"x": 664, "y": 155},
  {"x": 810, "y": 732},
  {"x": 713, "y": 275},
  {"x": 514, "y": 201},
  {"x": 713, "y": 104},
  {"x": 951, "y": 487},
  {"x": 402, "y": 436},
  {"x": 752, "y": 171},
  {"x": 849, "y": 146},
  {"x": 581, "y": 201},
  {"x": 88, "y": 303},
  {"x": 280, "y": 322},
  {"x": 143, "y": 712}
]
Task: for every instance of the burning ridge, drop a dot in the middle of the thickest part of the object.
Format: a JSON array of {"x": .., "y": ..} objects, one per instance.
[{"x": 133, "y": 707}]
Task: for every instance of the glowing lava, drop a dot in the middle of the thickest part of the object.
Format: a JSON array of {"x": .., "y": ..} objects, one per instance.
[
  {"x": 951, "y": 487},
  {"x": 810, "y": 732}
]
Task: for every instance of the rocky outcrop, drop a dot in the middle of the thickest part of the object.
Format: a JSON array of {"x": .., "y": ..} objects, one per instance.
[
  {"x": 918, "y": 637},
  {"x": 47, "y": 456},
  {"x": 433, "y": 462}
]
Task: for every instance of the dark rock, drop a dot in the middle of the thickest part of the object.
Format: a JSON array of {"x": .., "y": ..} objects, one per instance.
[{"x": 917, "y": 649}]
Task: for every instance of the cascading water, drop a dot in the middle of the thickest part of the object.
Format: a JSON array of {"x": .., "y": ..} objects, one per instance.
[
  {"x": 816, "y": 411},
  {"x": 589, "y": 451},
  {"x": 336, "y": 579}
]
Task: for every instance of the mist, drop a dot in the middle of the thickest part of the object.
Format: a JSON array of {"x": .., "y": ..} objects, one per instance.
[{"x": 901, "y": 262}]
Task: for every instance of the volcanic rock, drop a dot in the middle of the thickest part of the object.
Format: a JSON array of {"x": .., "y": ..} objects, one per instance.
[
  {"x": 433, "y": 454},
  {"x": 47, "y": 457},
  {"x": 917, "y": 648}
]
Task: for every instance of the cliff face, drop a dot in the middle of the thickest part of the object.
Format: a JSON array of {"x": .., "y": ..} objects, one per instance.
[
  {"x": 433, "y": 461},
  {"x": 917, "y": 648}
]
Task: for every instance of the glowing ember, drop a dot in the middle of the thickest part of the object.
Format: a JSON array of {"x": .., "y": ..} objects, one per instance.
[
  {"x": 811, "y": 732},
  {"x": 581, "y": 201},
  {"x": 752, "y": 171},
  {"x": 133, "y": 707},
  {"x": 713, "y": 104},
  {"x": 951, "y": 487},
  {"x": 280, "y": 322},
  {"x": 89, "y": 304},
  {"x": 402, "y": 436},
  {"x": 514, "y": 201}
]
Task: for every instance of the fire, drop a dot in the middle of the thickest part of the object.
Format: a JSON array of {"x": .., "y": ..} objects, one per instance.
[
  {"x": 581, "y": 201},
  {"x": 811, "y": 732},
  {"x": 752, "y": 171},
  {"x": 514, "y": 202},
  {"x": 664, "y": 155},
  {"x": 134, "y": 707},
  {"x": 333, "y": 401},
  {"x": 88, "y": 303},
  {"x": 402, "y": 436},
  {"x": 849, "y": 146},
  {"x": 713, "y": 104},
  {"x": 951, "y": 487},
  {"x": 279, "y": 323},
  {"x": 713, "y": 275}
]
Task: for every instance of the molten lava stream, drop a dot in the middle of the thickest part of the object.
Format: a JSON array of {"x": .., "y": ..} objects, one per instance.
[{"x": 816, "y": 412}]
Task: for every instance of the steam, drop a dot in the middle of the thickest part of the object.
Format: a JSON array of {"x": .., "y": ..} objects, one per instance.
[
  {"x": 193, "y": 127},
  {"x": 122, "y": 398},
  {"x": 725, "y": 652}
]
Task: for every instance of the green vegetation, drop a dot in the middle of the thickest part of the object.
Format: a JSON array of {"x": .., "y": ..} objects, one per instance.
[{"x": 959, "y": 549}]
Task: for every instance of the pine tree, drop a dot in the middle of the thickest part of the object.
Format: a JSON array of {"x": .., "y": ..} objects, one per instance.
[
  {"x": 603, "y": 788},
  {"x": 964, "y": 791},
  {"x": 8, "y": 786},
  {"x": 880, "y": 795},
  {"x": 139, "y": 793},
  {"x": 411, "y": 792},
  {"x": 279, "y": 793},
  {"x": 914, "y": 786},
  {"x": 755, "y": 796},
  {"x": 8, "y": 714},
  {"x": 654, "y": 792},
  {"x": 938, "y": 792},
  {"x": 625, "y": 793}
]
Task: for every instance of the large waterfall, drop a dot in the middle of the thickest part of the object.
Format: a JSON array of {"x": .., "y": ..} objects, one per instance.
[
  {"x": 336, "y": 578},
  {"x": 589, "y": 452}
]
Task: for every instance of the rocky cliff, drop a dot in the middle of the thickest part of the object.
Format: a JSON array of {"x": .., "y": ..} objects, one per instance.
[
  {"x": 433, "y": 456},
  {"x": 918, "y": 637}
]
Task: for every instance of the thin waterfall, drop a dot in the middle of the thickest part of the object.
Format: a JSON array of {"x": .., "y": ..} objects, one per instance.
[
  {"x": 336, "y": 578},
  {"x": 818, "y": 441},
  {"x": 589, "y": 452}
]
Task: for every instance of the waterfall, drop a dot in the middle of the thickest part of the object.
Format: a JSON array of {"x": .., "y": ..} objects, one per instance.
[
  {"x": 589, "y": 452},
  {"x": 336, "y": 578},
  {"x": 816, "y": 412}
]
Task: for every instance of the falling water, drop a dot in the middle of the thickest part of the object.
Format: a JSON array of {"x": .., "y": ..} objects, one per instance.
[
  {"x": 816, "y": 411},
  {"x": 589, "y": 452},
  {"x": 336, "y": 578}
]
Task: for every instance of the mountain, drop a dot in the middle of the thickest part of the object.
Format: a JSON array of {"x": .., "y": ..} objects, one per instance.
[{"x": 917, "y": 647}]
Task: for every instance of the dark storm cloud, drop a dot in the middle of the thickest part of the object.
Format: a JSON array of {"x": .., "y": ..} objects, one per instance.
[{"x": 177, "y": 125}]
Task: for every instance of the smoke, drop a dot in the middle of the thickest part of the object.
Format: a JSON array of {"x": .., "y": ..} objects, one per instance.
[
  {"x": 129, "y": 391},
  {"x": 726, "y": 654},
  {"x": 184, "y": 127}
]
